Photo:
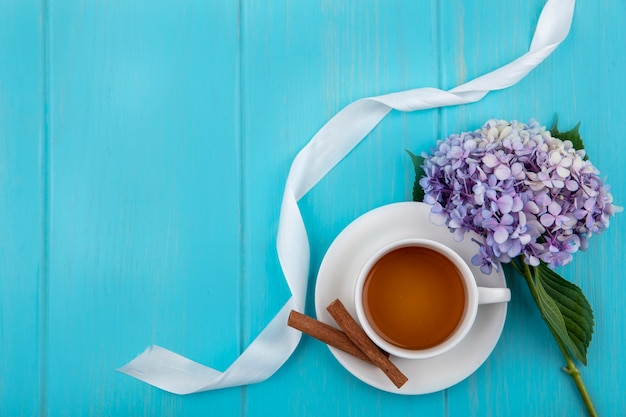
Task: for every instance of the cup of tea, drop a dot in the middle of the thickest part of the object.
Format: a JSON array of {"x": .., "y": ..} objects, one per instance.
[{"x": 417, "y": 298}]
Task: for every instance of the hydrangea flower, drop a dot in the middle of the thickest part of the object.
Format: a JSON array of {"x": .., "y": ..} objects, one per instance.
[{"x": 521, "y": 190}]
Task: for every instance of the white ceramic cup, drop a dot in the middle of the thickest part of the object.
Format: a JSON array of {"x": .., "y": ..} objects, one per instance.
[{"x": 474, "y": 296}]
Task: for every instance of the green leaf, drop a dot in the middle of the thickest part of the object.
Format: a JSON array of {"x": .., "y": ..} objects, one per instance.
[
  {"x": 566, "y": 310},
  {"x": 418, "y": 162},
  {"x": 573, "y": 135}
]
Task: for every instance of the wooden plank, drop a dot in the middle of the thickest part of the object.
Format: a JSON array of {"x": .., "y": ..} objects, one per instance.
[
  {"x": 581, "y": 81},
  {"x": 22, "y": 143},
  {"x": 303, "y": 62},
  {"x": 144, "y": 200}
]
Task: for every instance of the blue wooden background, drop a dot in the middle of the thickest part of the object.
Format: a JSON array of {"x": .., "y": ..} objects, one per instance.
[{"x": 144, "y": 147}]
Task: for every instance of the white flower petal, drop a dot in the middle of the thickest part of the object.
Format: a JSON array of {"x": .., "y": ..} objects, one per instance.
[
  {"x": 562, "y": 171},
  {"x": 555, "y": 157},
  {"x": 505, "y": 132}
]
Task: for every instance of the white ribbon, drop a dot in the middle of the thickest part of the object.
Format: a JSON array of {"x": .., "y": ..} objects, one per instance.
[{"x": 275, "y": 344}]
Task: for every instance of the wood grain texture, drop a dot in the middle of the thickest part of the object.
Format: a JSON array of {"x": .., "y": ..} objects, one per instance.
[
  {"x": 22, "y": 207},
  {"x": 144, "y": 147},
  {"x": 144, "y": 199}
]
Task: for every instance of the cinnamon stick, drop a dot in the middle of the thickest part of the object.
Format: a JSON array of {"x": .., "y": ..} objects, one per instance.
[
  {"x": 325, "y": 333},
  {"x": 360, "y": 339}
]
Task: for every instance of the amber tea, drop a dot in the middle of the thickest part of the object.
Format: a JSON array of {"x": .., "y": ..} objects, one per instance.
[{"x": 414, "y": 297}]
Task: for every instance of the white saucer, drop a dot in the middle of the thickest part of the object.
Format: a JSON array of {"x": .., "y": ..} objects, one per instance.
[{"x": 340, "y": 268}]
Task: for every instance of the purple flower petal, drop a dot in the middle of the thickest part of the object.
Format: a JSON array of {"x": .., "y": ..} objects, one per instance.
[
  {"x": 507, "y": 220},
  {"x": 558, "y": 183},
  {"x": 490, "y": 160},
  {"x": 532, "y": 207},
  {"x": 502, "y": 172},
  {"x": 522, "y": 190},
  {"x": 505, "y": 203},
  {"x": 438, "y": 219},
  {"x": 590, "y": 204},
  {"x": 500, "y": 235},
  {"x": 547, "y": 220},
  {"x": 456, "y": 152},
  {"x": 554, "y": 208},
  {"x": 571, "y": 185}
]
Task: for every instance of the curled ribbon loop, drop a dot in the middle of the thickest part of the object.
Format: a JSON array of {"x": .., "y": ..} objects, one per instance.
[{"x": 275, "y": 344}]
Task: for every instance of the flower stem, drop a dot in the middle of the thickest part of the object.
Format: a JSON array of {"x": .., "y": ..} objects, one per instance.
[{"x": 571, "y": 368}]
